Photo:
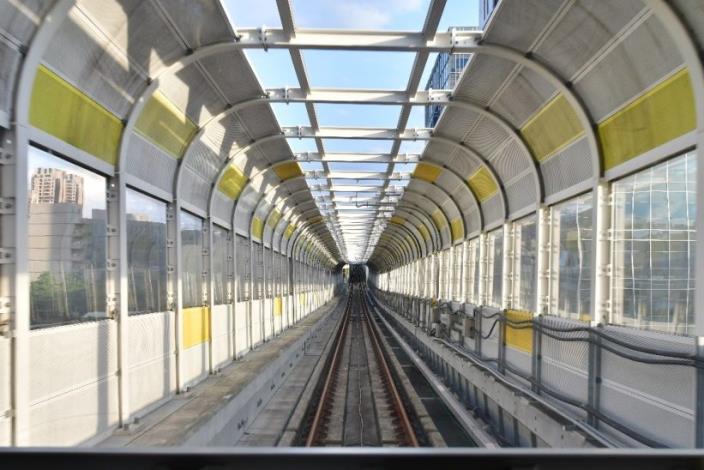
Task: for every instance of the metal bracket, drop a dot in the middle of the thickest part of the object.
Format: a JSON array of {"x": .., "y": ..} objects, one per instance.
[
  {"x": 7, "y": 205},
  {"x": 7, "y": 157},
  {"x": 111, "y": 231},
  {"x": 263, "y": 37},
  {"x": 111, "y": 264},
  {"x": 7, "y": 255}
]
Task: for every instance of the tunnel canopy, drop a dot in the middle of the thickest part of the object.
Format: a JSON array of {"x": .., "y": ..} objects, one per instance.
[{"x": 557, "y": 95}]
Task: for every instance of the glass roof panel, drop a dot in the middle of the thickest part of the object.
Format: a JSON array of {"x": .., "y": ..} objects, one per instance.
[
  {"x": 292, "y": 114},
  {"x": 357, "y": 145},
  {"x": 357, "y": 115},
  {"x": 398, "y": 15},
  {"x": 358, "y": 69},
  {"x": 252, "y": 13},
  {"x": 344, "y": 166},
  {"x": 459, "y": 13},
  {"x": 273, "y": 68}
]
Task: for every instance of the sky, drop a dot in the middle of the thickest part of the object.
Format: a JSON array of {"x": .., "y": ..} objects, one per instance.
[{"x": 347, "y": 69}]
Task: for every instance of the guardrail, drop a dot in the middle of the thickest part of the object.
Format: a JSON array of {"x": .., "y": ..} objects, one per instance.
[{"x": 643, "y": 387}]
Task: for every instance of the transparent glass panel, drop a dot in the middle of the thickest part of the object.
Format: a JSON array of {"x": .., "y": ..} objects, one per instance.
[
  {"x": 222, "y": 262},
  {"x": 526, "y": 268},
  {"x": 146, "y": 253},
  {"x": 654, "y": 241},
  {"x": 244, "y": 275},
  {"x": 496, "y": 268},
  {"x": 570, "y": 262},
  {"x": 258, "y": 265},
  {"x": 192, "y": 260},
  {"x": 66, "y": 242}
]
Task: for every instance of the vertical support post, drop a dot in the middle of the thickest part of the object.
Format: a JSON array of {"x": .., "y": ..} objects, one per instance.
[
  {"x": 174, "y": 230},
  {"x": 507, "y": 265},
  {"x": 233, "y": 286},
  {"x": 601, "y": 267},
  {"x": 483, "y": 268},
  {"x": 502, "y": 342},
  {"x": 118, "y": 305},
  {"x": 537, "y": 357},
  {"x": 543, "y": 261},
  {"x": 250, "y": 310},
  {"x": 209, "y": 287}
]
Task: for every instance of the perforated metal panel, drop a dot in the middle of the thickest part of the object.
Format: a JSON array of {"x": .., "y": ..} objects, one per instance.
[
  {"x": 493, "y": 210},
  {"x": 195, "y": 189},
  {"x": 586, "y": 27},
  {"x": 191, "y": 92},
  {"x": 518, "y": 23},
  {"x": 222, "y": 328},
  {"x": 510, "y": 160},
  {"x": 203, "y": 160},
  {"x": 66, "y": 357},
  {"x": 526, "y": 94},
  {"x": 151, "y": 359},
  {"x": 21, "y": 22},
  {"x": 9, "y": 67},
  {"x": 483, "y": 77},
  {"x": 644, "y": 57},
  {"x": 88, "y": 60},
  {"x": 564, "y": 365},
  {"x": 72, "y": 382},
  {"x": 222, "y": 207},
  {"x": 521, "y": 193},
  {"x": 236, "y": 87},
  {"x": 568, "y": 168},
  {"x": 150, "y": 163},
  {"x": 200, "y": 22},
  {"x": 485, "y": 137},
  {"x": 259, "y": 120},
  {"x": 456, "y": 123},
  {"x": 139, "y": 30}
]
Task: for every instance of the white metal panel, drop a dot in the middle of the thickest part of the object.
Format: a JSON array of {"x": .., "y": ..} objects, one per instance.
[
  {"x": 151, "y": 359},
  {"x": 222, "y": 338},
  {"x": 5, "y": 392},
  {"x": 195, "y": 364},
  {"x": 241, "y": 328}
]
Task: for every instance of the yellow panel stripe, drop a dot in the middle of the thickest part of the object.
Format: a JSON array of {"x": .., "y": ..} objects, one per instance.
[
  {"x": 165, "y": 125},
  {"x": 552, "y": 128},
  {"x": 315, "y": 220},
  {"x": 274, "y": 219},
  {"x": 424, "y": 232},
  {"x": 289, "y": 231},
  {"x": 257, "y": 227},
  {"x": 288, "y": 170},
  {"x": 427, "y": 172},
  {"x": 661, "y": 114},
  {"x": 519, "y": 338},
  {"x": 62, "y": 110},
  {"x": 397, "y": 220},
  {"x": 278, "y": 306},
  {"x": 482, "y": 184},
  {"x": 457, "y": 227},
  {"x": 196, "y": 326},
  {"x": 439, "y": 219},
  {"x": 232, "y": 182}
]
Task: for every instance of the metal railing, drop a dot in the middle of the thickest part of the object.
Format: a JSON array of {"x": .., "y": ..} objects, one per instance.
[{"x": 576, "y": 364}]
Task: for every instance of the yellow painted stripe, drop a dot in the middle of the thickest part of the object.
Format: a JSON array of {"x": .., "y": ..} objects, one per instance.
[
  {"x": 289, "y": 231},
  {"x": 552, "y": 128},
  {"x": 288, "y": 170},
  {"x": 519, "y": 338},
  {"x": 457, "y": 227},
  {"x": 196, "y": 326},
  {"x": 397, "y": 220},
  {"x": 439, "y": 219},
  {"x": 315, "y": 220},
  {"x": 257, "y": 227},
  {"x": 278, "y": 306},
  {"x": 663, "y": 113},
  {"x": 482, "y": 184},
  {"x": 232, "y": 182},
  {"x": 165, "y": 125},
  {"x": 274, "y": 219},
  {"x": 424, "y": 232},
  {"x": 62, "y": 110},
  {"x": 427, "y": 172}
]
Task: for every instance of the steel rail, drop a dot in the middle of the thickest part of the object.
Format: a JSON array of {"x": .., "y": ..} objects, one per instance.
[
  {"x": 330, "y": 377},
  {"x": 400, "y": 409}
]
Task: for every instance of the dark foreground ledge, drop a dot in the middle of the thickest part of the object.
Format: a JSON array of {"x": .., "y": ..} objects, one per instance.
[{"x": 347, "y": 458}]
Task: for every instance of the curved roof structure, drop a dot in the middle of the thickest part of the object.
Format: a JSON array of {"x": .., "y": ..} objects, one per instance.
[{"x": 558, "y": 95}]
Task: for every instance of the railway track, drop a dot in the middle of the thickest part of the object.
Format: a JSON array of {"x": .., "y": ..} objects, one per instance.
[{"x": 359, "y": 401}]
